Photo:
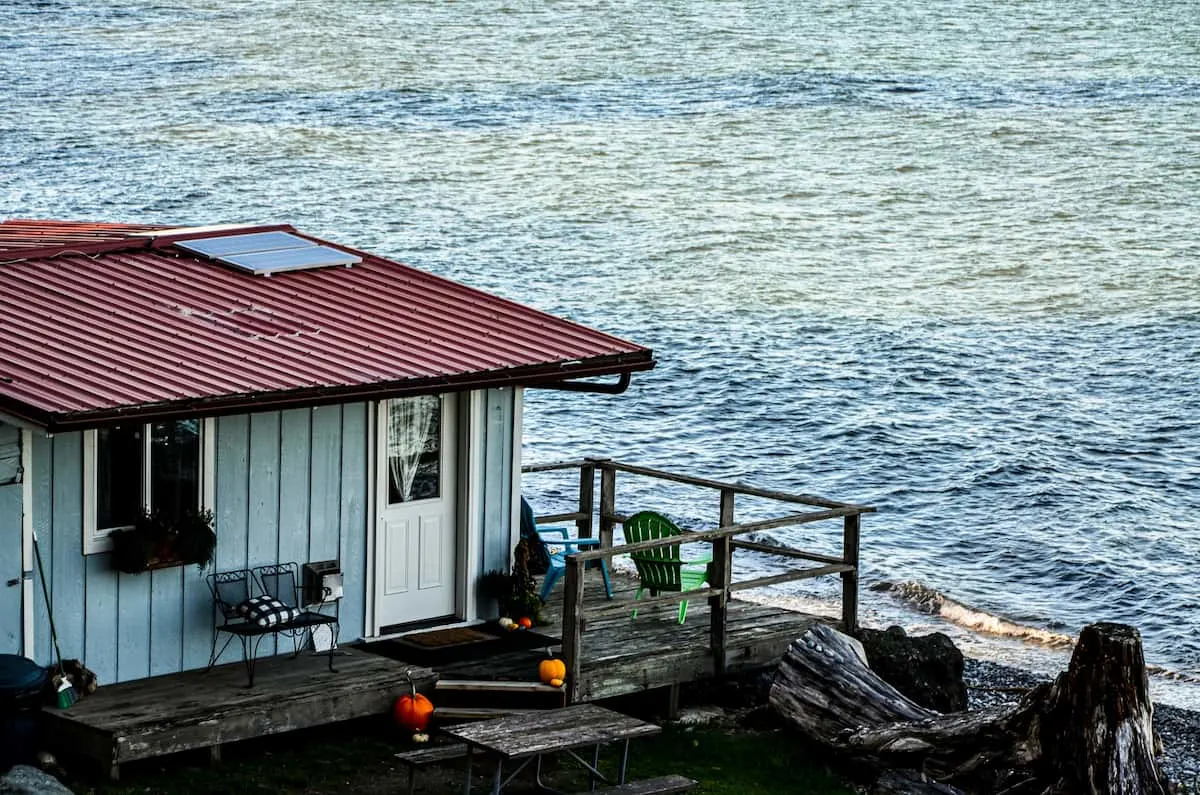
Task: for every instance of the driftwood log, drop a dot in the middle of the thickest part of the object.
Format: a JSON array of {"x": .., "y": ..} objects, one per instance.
[{"x": 1088, "y": 731}]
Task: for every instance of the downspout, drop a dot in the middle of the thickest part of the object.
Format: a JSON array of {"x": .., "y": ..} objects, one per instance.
[{"x": 589, "y": 386}]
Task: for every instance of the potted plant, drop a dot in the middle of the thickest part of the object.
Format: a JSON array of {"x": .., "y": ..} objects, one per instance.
[
  {"x": 155, "y": 542},
  {"x": 523, "y": 598},
  {"x": 135, "y": 548},
  {"x": 195, "y": 539}
]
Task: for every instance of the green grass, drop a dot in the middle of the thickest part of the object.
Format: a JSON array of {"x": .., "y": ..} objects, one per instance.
[
  {"x": 735, "y": 762},
  {"x": 357, "y": 757}
]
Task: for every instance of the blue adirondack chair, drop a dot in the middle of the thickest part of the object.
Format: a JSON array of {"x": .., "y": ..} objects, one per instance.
[
  {"x": 663, "y": 568},
  {"x": 558, "y": 544}
]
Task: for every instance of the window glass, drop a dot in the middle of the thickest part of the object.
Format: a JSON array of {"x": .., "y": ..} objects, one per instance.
[
  {"x": 414, "y": 449},
  {"x": 118, "y": 475},
  {"x": 175, "y": 468}
]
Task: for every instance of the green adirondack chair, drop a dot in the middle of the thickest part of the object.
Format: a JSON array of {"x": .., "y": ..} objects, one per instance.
[{"x": 663, "y": 569}]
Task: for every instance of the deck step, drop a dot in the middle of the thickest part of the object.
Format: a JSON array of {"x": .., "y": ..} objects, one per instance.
[
  {"x": 473, "y": 698},
  {"x": 477, "y": 713},
  {"x": 488, "y": 686},
  {"x": 647, "y": 786}
]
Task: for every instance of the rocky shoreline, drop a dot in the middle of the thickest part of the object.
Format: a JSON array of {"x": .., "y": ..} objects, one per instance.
[{"x": 991, "y": 684}]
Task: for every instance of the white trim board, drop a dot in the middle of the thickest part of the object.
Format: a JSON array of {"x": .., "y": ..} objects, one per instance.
[{"x": 28, "y": 638}]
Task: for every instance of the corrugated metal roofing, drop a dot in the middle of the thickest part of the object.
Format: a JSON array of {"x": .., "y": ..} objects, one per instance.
[{"x": 140, "y": 328}]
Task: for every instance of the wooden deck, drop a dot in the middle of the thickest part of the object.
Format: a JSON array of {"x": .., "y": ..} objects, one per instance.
[
  {"x": 179, "y": 712},
  {"x": 154, "y": 717},
  {"x": 623, "y": 655}
]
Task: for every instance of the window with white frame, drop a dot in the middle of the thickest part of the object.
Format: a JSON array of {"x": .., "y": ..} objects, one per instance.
[{"x": 158, "y": 467}]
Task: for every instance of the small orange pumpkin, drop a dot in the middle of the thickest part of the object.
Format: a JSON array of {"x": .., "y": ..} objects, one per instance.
[
  {"x": 551, "y": 670},
  {"x": 413, "y": 710},
  {"x": 525, "y": 622}
]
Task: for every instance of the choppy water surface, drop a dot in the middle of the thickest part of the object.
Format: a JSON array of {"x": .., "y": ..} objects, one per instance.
[{"x": 941, "y": 260}]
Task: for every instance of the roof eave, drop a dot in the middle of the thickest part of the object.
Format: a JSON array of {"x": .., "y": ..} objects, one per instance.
[{"x": 529, "y": 376}]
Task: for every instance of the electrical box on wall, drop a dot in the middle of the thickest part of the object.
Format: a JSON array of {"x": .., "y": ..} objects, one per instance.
[{"x": 322, "y": 581}]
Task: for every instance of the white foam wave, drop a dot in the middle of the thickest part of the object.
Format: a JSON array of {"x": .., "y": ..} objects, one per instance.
[{"x": 929, "y": 600}]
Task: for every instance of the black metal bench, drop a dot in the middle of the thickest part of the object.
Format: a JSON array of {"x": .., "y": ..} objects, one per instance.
[{"x": 233, "y": 592}]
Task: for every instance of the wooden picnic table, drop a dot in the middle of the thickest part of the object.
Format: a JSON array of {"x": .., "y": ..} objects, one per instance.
[{"x": 528, "y": 736}]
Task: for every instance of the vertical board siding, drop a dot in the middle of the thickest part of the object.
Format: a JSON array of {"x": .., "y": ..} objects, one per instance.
[
  {"x": 233, "y": 502},
  {"x": 262, "y": 546},
  {"x": 72, "y": 602},
  {"x": 10, "y": 568},
  {"x": 356, "y": 449},
  {"x": 166, "y": 620},
  {"x": 295, "y": 470},
  {"x": 497, "y": 433},
  {"x": 325, "y": 494},
  {"x": 262, "y": 540},
  {"x": 133, "y": 623},
  {"x": 99, "y": 586},
  {"x": 43, "y": 516},
  {"x": 290, "y": 486},
  {"x": 10, "y": 454},
  {"x": 198, "y": 615}
]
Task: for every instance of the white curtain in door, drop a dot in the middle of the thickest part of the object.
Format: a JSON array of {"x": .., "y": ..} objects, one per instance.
[{"x": 410, "y": 423}]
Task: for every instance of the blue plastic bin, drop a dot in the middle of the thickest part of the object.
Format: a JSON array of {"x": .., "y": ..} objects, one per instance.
[{"x": 21, "y": 683}]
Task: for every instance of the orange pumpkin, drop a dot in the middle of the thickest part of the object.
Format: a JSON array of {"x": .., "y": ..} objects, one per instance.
[
  {"x": 551, "y": 670},
  {"x": 525, "y": 622},
  {"x": 413, "y": 710}
]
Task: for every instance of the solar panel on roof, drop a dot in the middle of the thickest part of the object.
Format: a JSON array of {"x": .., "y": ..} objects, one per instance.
[
  {"x": 291, "y": 259},
  {"x": 243, "y": 244},
  {"x": 264, "y": 253}
]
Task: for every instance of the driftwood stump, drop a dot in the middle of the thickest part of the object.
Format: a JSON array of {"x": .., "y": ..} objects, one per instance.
[{"x": 1089, "y": 731}]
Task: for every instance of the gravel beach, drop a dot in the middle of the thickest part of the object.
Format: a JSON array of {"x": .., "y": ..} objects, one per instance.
[{"x": 992, "y": 684}]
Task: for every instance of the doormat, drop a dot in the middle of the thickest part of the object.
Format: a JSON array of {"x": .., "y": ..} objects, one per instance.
[
  {"x": 441, "y": 638},
  {"x": 458, "y": 644}
]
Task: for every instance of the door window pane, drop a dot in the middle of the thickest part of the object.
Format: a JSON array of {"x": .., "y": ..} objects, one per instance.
[
  {"x": 414, "y": 449},
  {"x": 118, "y": 476},
  {"x": 175, "y": 468}
]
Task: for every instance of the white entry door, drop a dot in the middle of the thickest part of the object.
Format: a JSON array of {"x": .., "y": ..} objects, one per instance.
[{"x": 416, "y": 543}]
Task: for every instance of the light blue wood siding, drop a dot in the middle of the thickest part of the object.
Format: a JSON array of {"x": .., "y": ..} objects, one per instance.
[
  {"x": 497, "y": 478},
  {"x": 10, "y": 539},
  {"x": 10, "y": 454},
  {"x": 289, "y": 486},
  {"x": 10, "y": 568},
  {"x": 353, "y": 520}
]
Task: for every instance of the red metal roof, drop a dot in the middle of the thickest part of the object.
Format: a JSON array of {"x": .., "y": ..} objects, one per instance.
[{"x": 100, "y": 322}]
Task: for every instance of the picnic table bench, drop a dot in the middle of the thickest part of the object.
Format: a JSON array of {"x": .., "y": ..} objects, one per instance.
[
  {"x": 266, "y": 601},
  {"x": 527, "y": 737}
]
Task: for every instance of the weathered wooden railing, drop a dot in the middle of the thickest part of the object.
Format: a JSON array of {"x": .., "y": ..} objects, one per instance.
[{"x": 722, "y": 539}]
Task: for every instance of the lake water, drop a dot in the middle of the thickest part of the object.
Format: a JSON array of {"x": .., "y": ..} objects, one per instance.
[{"x": 938, "y": 259}]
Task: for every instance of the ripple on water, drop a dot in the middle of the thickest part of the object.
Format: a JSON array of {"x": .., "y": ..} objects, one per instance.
[{"x": 931, "y": 263}]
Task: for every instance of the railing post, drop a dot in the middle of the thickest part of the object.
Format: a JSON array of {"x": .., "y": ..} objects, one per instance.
[
  {"x": 850, "y": 533},
  {"x": 608, "y": 503},
  {"x": 720, "y": 576},
  {"x": 587, "y": 489},
  {"x": 572, "y": 627}
]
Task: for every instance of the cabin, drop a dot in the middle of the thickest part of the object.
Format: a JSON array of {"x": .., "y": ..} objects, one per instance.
[{"x": 325, "y": 404}]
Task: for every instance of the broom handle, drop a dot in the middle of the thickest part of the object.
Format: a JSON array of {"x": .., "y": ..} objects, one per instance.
[{"x": 37, "y": 553}]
